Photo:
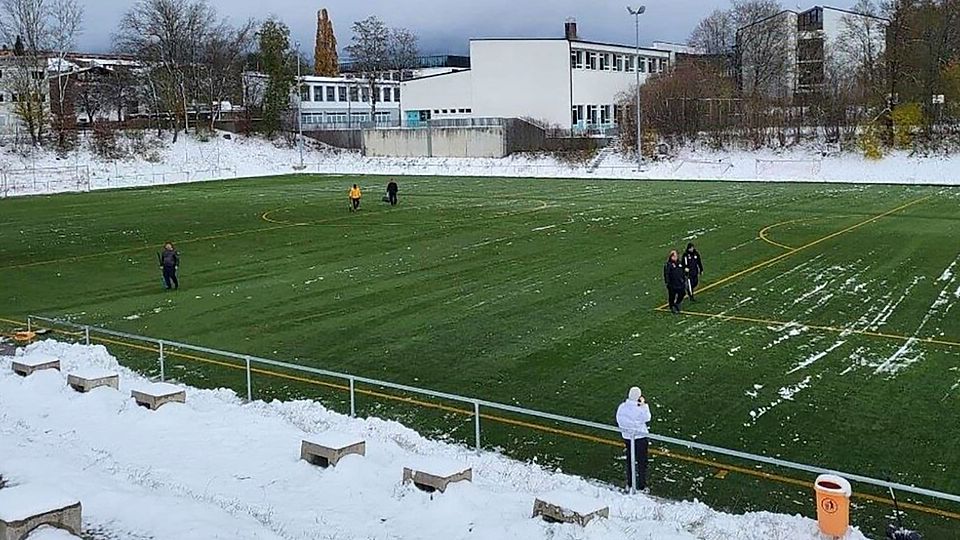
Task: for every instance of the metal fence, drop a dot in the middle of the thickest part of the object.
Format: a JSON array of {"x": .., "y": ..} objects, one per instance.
[
  {"x": 248, "y": 363},
  {"x": 44, "y": 179}
]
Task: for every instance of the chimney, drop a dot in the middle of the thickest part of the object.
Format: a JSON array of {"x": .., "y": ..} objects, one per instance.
[{"x": 570, "y": 29}]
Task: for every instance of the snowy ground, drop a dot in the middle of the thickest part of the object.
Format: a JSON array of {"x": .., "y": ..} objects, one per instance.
[
  {"x": 218, "y": 468},
  {"x": 192, "y": 160}
]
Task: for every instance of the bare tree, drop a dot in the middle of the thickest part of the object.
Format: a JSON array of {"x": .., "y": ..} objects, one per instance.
[
  {"x": 37, "y": 27},
  {"x": 66, "y": 27},
  {"x": 860, "y": 46},
  {"x": 764, "y": 48},
  {"x": 222, "y": 60},
  {"x": 716, "y": 34},
  {"x": 168, "y": 34},
  {"x": 376, "y": 50}
]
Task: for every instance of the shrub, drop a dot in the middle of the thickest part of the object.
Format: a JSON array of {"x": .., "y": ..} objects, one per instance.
[
  {"x": 105, "y": 142},
  {"x": 907, "y": 119},
  {"x": 869, "y": 142}
]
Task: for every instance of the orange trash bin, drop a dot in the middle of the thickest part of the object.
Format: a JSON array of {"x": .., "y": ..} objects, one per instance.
[{"x": 833, "y": 504}]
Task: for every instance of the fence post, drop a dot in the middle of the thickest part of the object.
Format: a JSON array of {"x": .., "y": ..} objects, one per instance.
[
  {"x": 476, "y": 423},
  {"x": 162, "y": 371},
  {"x": 249, "y": 383},
  {"x": 353, "y": 399},
  {"x": 86, "y": 335},
  {"x": 632, "y": 466}
]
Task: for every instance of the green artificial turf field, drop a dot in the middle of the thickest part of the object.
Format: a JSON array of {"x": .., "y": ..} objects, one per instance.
[{"x": 827, "y": 332}]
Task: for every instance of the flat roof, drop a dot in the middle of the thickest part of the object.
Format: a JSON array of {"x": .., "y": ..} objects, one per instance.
[{"x": 581, "y": 41}]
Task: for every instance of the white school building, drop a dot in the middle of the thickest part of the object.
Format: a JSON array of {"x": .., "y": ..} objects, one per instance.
[{"x": 566, "y": 83}]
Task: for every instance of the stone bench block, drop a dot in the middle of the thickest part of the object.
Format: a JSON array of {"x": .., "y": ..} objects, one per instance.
[
  {"x": 86, "y": 380},
  {"x": 156, "y": 395},
  {"x": 23, "y": 509},
  {"x": 438, "y": 476},
  {"x": 29, "y": 364},
  {"x": 569, "y": 508},
  {"x": 325, "y": 450}
]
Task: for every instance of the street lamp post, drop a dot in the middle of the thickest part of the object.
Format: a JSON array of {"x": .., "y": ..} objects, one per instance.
[
  {"x": 636, "y": 68},
  {"x": 299, "y": 108}
]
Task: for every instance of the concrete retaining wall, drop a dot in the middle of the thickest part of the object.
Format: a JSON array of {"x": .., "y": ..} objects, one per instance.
[{"x": 435, "y": 142}]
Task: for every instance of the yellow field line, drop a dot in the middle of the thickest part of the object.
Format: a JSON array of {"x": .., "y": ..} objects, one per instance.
[
  {"x": 765, "y": 230},
  {"x": 836, "y": 329},
  {"x": 763, "y": 264},
  {"x": 510, "y": 421}
]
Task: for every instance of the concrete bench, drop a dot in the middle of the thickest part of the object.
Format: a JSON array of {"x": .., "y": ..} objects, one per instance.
[
  {"x": 436, "y": 476},
  {"x": 31, "y": 363},
  {"x": 24, "y": 508},
  {"x": 569, "y": 508},
  {"x": 327, "y": 449},
  {"x": 156, "y": 395},
  {"x": 85, "y": 380}
]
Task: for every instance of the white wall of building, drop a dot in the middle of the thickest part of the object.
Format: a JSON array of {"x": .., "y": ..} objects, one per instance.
[
  {"x": 436, "y": 94},
  {"x": 521, "y": 78}
]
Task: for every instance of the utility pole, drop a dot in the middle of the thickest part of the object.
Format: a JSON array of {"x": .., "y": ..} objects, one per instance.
[
  {"x": 299, "y": 108},
  {"x": 636, "y": 68}
]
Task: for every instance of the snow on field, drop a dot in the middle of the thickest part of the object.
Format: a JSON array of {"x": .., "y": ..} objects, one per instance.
[
  {"x": 192, "y": 160},
  {"x": 217, "y": 467}
]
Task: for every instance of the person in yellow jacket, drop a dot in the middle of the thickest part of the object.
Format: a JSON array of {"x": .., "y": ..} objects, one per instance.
[{"x": 355, "y": 195}]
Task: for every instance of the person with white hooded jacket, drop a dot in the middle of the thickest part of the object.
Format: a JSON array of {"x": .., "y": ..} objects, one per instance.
[{"x": 632, "y": 417}]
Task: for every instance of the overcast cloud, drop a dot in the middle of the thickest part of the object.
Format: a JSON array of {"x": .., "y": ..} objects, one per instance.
[{"x": 445, "y": 26}]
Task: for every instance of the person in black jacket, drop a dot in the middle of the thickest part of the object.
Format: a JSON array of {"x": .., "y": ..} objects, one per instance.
[
  {"x": 169, "y": 262},
  {"x": 392, "y": 189},
  {"x": 693, "y": 266},
  {"x": 674, "y": 279}
]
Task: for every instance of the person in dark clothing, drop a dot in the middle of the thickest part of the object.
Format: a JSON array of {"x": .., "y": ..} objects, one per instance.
[
  {"x": 392, "y": 189},
  {"x": 674, "y": 279},
  {"x": 169, "y": 262},
  {"x": 692, "y": 266}
]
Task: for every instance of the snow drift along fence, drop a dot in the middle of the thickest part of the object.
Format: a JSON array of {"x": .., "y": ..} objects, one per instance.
[{"x": 250, "y": 364}]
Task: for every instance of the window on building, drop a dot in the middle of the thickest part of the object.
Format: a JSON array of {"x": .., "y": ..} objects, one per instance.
[
  {"x": 662, "y": 65},
  {"x": 592, "y": 115},
  {"x": 576, "y": 115},
  {"x": 331, "y": 93},
  {"x": 651, "y": 65},
  {"x": 605, "y": 115},
  {"x": 576, "y": 59},
  {"x": 317, "y": 93},
  {"x": 388, "y": 94},
  {"x": 616, "y": 113},
  {"x": 304, "y": 93},
  {"x": 342, "y": 93},
  {"x": 396, "y": 94},
  {"x": 469, "y": 111},
  {"x": 445, "y": 111},
  {"x": 641, "y": 64},
  {"x": 37, "y": 75},
  {"x": 604, "y": 61},
  {"x": 628, "y": 65},
  {"x": 365, "y": 94},
  {"x": 618, "y": 63},
  {"x": 591, "y": 60},
  {"x": 354, "y": 94}
]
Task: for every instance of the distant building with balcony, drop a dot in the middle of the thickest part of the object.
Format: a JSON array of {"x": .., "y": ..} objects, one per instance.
[{"x": 785, "y": 56}]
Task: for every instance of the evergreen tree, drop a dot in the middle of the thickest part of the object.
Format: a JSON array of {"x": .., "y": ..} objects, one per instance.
[
  {"x": 276, "y": 59},
  {"x": 325, "y": 52}
]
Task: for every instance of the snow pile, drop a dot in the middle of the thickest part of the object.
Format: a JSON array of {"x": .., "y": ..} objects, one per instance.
[
  {"x": 219, "y": 468},
  {"x": 191, "y": 160}
]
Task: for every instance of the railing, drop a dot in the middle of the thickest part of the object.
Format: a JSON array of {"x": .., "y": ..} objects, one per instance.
[
  {"x": 44, "y": 179},
  {"x": 249, "y": 361}
]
